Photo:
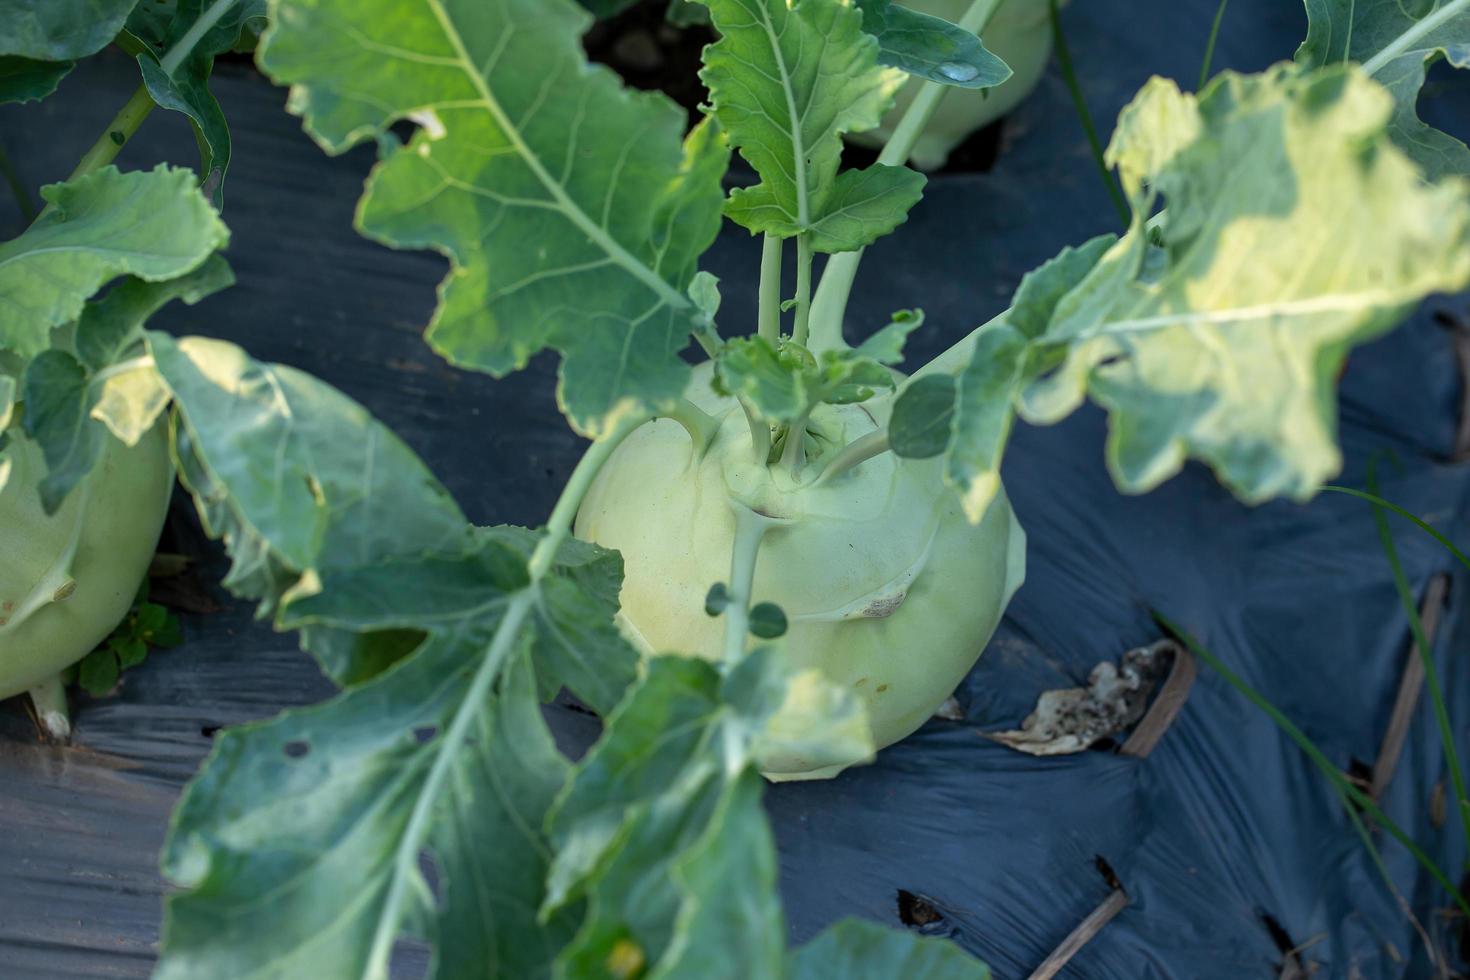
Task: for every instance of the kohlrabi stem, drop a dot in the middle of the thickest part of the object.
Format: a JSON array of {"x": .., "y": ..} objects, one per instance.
[
  {"x": 559, "y": 524},
  {"x": 708, "y": 338},
  {"x": 768, "y": 322},
  {"x": 136, "y": 109},
  {"x": 750, "y": 527},
  {"x": 518, "y": 607},
  {"x": 830, "y": 306},
  {"x": 793, "y": 455},
  {"x": 760, "y": 433},
  {"x": 954, "y": 360},
  {"x": 802, "y": 327},
  {"x": 49, "y": 699},
  {"x": 117, "y": 133},
  {"x": 859, "y": 451},
  {"x": 700, "y": 424}
]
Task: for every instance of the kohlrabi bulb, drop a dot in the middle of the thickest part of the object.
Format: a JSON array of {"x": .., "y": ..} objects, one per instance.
[
  {"x": 68, "y": 579},
  {"x": 887, "y": 589},
  {"x": 1019, "y": 33}
]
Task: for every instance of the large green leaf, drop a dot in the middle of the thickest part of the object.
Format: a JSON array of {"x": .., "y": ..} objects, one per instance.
[
  {"x": 154, "y": 225},
  {"x": 786, "y": 81},
  {"x": 1396, "y": 40},
  {"x": 929, "y": 47},
  {"x": 439, "y": 748},
  {"x": 571, "y": 215},
  {"x": 182, "y": 84},
  {"x": 1296, "y": 230},
  {"x": 328, "y": 898},
  {"x": 25, "y": 79},
  {"x": 60, "y": 30},
  {"x": 297, "y": 479}
]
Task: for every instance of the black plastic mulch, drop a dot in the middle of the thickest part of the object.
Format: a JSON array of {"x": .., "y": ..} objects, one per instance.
[{"x": 1231, "y": 847}]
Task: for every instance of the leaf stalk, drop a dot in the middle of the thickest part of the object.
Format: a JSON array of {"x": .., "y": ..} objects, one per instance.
[
  {"x": 830, "y": 306},
  {"x": 768, "y": 323}
]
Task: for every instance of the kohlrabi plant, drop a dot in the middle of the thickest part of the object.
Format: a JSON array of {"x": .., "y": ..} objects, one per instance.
[
  {"x": 774, "y": 561},
  {"x": 85, "y": 475}
]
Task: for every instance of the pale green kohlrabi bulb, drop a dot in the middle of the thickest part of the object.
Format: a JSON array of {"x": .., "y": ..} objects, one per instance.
[
  {"x": 888, "y": 590},
  {"x": 1019, "y": 33},
  {"x": 68, "y": 579}
]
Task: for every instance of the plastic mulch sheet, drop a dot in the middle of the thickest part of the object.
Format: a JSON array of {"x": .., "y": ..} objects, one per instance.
[{"x": 1232, "y": 849}]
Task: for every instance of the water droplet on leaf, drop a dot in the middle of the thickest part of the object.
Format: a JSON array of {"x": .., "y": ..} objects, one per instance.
[{"x": 958, "y": 72}]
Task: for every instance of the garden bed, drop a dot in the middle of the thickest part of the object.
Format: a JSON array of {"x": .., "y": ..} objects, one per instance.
[{"x": 1233, "y": 853}]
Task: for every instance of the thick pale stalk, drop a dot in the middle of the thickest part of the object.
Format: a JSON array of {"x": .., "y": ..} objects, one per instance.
[
  {"x": 830, "y": 305},
  {"x": 750, "y": 527},
  {"x": 768, "y": 322},
  {"x": 802, "y": 326}
]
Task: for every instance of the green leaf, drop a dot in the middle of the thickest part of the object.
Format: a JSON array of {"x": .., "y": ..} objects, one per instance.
[
  {"x": 502, "y": 789},
  {"x": 784, "y": 383},
  {"x": 857, "y": 950},
  {"x": 786, "y": 81},
  {"x": 717, "y": 599},
  {"x": 67, "y": 395},
  {"x": 929, "y": 47},
  {"x": 60, "y": 30},
  {"x": 1295, "y": 231},
  {"x": 571, "y": 215},
  {"x": 733, "y": 871},
  {"x": 440, "y": 754},
  {"x": 922, "y": 415},
  {"x": 131, "y": 651},
  {"x": 98, "y": 672},
  {"x": 814, "y": 724},
  {"x": 654, "y": 810},
  {"x": 1396, "y": 42},
  {"x": 130, "y": 402},
  {"x": 154, "y": 225},
  {"x": 297, "y": 479},
  {"x": 25, "y": 79},
  {"x": 186, "y": 88},
  {"x": 975, "y": 425},
  {"x": 346, "y": 777},
  {"x": 57, "y": 397},
  {"x": 984, "y": 414},
  {"x": 767, "y": 620},
  {"x": 112, "y": 325},
  {"x": 864, "y": 205},
  {"x": 575, "y": 640}
]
